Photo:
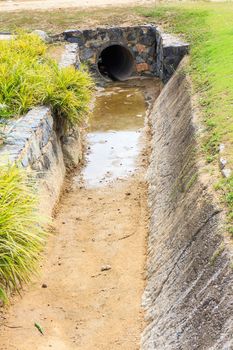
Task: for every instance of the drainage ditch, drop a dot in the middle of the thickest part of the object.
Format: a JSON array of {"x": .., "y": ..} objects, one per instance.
[
  {"x": 94, "y": 265},
  {"x": 94, "y": 271}
]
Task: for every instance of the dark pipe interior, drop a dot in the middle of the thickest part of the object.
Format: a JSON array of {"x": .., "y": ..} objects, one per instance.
[{"x": 116, "y": 62}]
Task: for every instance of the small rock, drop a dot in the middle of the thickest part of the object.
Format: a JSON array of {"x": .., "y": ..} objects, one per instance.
[
  {"x": 128, "y": 193},
  {"x": 43, "y": 35},
  {"x": 83, "y": 250},
  {"x": 226, "y": 172},
  {"x": 221, "y": 147},
  {"x": 223, "y": 163},
  {"x": 106, "y": 267},
  {"x": 44, "y": 285}
]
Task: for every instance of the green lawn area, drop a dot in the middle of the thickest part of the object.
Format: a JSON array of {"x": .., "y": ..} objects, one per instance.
[{"x": 208, "y": 27}]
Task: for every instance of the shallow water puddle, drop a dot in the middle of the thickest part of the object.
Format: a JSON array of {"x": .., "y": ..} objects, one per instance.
[{"x": 114, "y": 136}]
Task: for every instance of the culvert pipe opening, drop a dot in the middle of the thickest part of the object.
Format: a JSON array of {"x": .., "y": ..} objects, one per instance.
[{"x": 116, "y": 62}]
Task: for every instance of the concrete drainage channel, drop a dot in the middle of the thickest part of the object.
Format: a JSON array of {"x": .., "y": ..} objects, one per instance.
[{"x": 188, "y": 293}]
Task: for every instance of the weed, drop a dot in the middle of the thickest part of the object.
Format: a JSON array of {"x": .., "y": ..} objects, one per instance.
[{"x": 210, "y": 159}]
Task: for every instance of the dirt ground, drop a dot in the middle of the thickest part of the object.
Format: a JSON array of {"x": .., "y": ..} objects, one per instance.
[
  {"x": 82, "y": 307},
  {"x": 11, "y": 5}
]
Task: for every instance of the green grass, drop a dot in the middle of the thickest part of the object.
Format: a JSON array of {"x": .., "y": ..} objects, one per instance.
[
  {"x": 208, "y": 27},
  {"x": 21, "y": 232},
  {"x": 29, "y": 77}
]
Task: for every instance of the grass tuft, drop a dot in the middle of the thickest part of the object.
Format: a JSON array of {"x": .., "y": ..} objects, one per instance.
[
  {"x": 21, "y": 229},
  {"x": 30, "y": 78}
]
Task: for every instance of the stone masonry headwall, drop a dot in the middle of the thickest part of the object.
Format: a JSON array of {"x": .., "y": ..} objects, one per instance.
[
  {"x": 189, "y": 295},
  {"x": 155, "y": 53},
  {"x": 169, "y": 52}
]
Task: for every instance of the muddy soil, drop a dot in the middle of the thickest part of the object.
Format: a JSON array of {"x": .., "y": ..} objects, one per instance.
[{"x": 92, "y": 278}]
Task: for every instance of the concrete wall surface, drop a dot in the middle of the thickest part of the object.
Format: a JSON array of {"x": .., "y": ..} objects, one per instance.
[{"x": 189, "y": 295}]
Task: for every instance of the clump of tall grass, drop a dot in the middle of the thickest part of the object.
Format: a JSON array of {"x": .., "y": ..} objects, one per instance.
[
  {"x": 21, "y": 229},
  {"x": 29, "y": 77}
]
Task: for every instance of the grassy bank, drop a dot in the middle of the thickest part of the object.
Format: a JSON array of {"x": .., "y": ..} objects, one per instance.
[
  {"x": 29, "y": 77},
  {"x": 209, "y": 29}
]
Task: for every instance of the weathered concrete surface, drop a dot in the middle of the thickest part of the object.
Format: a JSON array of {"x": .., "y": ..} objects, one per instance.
[
  {"x": 189, "y": 296},
  {"x": 70, "y": 56}
]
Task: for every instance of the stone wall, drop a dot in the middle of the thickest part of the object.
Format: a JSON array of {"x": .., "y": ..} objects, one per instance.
[
  {"x": 189, "y": 295},
  {"x": 154, "y": 52},
  {"x": 169, "y": 53},
  {"x": 37, "y": 142},
  {"x": 139, "y": 39}
]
